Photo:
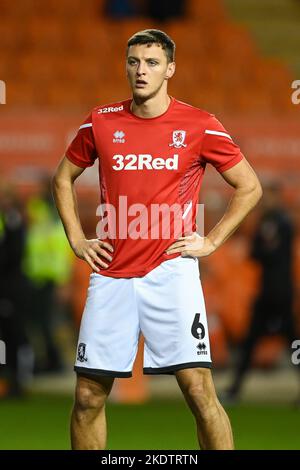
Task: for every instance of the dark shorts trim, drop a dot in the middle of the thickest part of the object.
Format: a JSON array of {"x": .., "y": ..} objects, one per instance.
[
  {"x": 171, "y": 369},
  {"x": 103, "y": 373}
]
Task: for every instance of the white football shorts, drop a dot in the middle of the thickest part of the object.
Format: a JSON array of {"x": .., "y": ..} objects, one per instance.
[{"x": 166, "y": 306}]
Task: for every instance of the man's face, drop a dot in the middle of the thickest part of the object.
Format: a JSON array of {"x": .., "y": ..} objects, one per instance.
[{"x": 147, "y": 70}]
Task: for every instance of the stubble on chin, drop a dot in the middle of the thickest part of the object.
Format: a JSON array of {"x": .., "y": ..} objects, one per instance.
[{"x": 142, "y": 98}]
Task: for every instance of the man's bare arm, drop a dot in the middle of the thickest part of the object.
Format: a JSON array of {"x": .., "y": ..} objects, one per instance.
[
  {"x": 247, "y": 193},
  {"x": 66, "y": 203}
]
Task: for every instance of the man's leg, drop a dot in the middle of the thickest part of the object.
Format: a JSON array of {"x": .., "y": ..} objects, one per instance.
[
  {"x": 88, "y": 422},
  {"x": 213, "y": 426},
  {"x": 104, "y": 351}
]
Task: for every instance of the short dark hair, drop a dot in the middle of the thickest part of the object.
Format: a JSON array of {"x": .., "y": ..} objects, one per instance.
[{"x": 154, "y": 36}]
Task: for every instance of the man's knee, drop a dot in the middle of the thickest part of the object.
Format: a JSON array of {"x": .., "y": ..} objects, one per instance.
[
  {"x": 202, "y": 399},
  {"x": 200, "y": 393},
  {"x": 91, "y": 395}
]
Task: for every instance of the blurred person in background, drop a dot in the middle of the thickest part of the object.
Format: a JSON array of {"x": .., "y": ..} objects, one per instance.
[
  {"x": 119, "y": 9},
  {"x": 47, "y": 264},
  {"x": 158, "y": 10},
  {"x": 149, "y": 283},
  {"x": 19, "y": 361},
  {"x": 164, "y": 10},
  {"x": 272, "y": 249}
]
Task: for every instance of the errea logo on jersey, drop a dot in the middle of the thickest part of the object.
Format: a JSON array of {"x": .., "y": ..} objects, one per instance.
[
  {"x": 119, "y": 137},
  {"x": 110, "y": 109},
  {"x": 144, "y": 161}
]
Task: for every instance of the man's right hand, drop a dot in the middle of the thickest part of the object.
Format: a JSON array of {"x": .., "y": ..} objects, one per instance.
[{"x": 89, "y": 251}]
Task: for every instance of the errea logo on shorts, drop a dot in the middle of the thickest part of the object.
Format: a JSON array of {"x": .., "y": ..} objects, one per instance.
[
  {"x": 110, "y": 109},
  {"x": 144, "y": 161}
]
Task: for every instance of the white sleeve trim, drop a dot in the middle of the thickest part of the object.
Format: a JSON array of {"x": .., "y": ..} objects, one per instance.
[
  {"x": 89, "y": 124},
  {"x": 218, "y": 133}
]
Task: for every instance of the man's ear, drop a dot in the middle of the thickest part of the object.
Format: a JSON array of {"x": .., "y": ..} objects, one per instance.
[{"x": 170, "y": 70}]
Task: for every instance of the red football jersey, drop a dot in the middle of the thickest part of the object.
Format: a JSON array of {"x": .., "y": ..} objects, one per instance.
[{"x": 145, "y": 164}]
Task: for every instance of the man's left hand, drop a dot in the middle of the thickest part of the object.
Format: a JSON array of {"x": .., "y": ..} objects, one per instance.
[{"x": 192, "y": 245}]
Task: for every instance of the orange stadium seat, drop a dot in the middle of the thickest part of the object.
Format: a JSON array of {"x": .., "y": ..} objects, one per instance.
[
  {"x": 7, "y": 68},
  {"x": 63, "y": 8},
  {"x": 20, "y": 93},
  {"x": 212, "y": 54},
  {"x": 212, "y": 11},
  {"x": 123, "y": 30},
  {"x": 11, "y": 34},
  {"x": 88, "y": 36},
  {"x": 8, "y": 9},
  {"x": 60, "y": 95},
  {"x": 191, "y": 37},
  {"x": 45, "y": 35},
  {"x": 233, "y": 42},
  {"x": 82, "y": 69},
  {"x": 24, "y": 10},
  {"x": 38, "y": 67}
]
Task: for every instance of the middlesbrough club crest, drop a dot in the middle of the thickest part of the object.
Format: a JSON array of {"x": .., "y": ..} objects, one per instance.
[
  {"x": 178, "y": 139},
  {"x": 81, "y": 353}
]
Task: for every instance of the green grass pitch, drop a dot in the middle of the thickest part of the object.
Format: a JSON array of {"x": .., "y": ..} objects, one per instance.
[{"x": 42, "y": 422}]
